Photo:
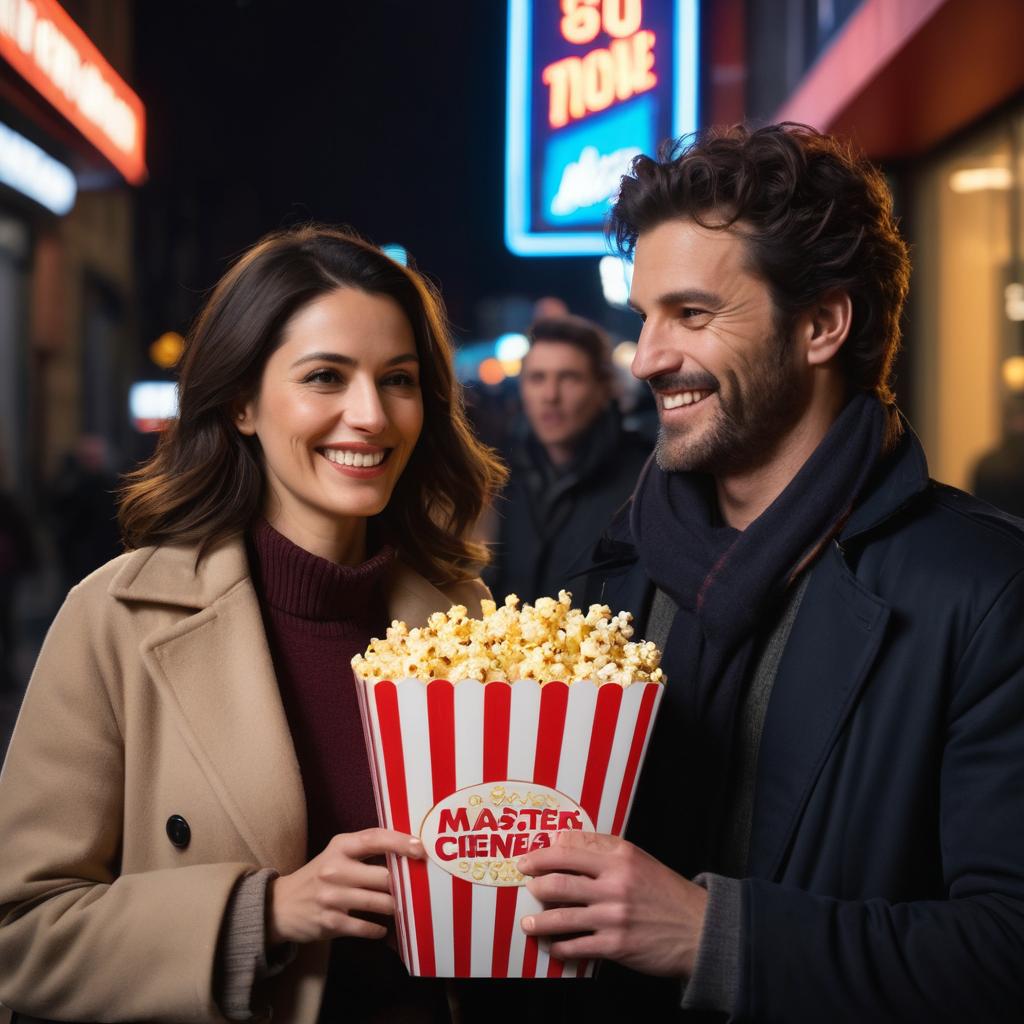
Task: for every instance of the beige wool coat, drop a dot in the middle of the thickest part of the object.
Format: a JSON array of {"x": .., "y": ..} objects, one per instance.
[{"x": 154, "y": 695}]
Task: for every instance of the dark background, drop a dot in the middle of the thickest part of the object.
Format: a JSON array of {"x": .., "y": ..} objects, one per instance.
[{"x": 387, "y": 117}]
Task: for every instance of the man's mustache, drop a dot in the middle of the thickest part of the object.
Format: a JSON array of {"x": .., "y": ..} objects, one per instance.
[{"x": 694, "y": 381}]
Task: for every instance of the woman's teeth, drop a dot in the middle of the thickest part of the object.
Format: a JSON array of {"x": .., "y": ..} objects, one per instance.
[
  {"x": 361, "y": 459},
  {"x": 683, "y": 398}
]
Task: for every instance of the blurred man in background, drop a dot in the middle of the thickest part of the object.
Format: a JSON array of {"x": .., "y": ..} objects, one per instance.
[
  {"x": 999, "y": 475},
  {"x": 572, "y": 467}
]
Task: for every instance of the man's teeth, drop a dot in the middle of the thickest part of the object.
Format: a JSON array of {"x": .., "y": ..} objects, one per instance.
[
  {"x": 354, "y": 458},
  {"x": 683, "y": 398}
]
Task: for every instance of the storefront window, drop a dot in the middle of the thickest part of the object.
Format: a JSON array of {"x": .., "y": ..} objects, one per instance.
[{"x": 967, "y": 317}]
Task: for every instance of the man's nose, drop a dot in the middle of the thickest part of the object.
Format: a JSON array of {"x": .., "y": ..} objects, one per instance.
[
  {"x": 655, "y": 353},
  {"x": 551, "y": 392}
]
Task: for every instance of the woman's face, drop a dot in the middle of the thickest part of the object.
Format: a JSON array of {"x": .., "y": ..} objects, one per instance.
[{"x": 338, "y": 413}]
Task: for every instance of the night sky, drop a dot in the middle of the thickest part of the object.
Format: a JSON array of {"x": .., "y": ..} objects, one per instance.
[{"x": 387, "y": 116}]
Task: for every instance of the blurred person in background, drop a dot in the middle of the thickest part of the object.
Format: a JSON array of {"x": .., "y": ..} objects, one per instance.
[
  {"x": 549, "y": 307},
  {"x": 829, "y": 822},
  {"x": 999, "y": 475},
  {"x": 17, "y": 559},
  {"x": 187, "y": 823},
  {"x": 571, "y": 466},
  {"x": 83, "y": 507}
]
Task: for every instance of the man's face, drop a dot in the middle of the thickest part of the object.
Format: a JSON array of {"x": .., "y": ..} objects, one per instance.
[
  {"x": 729, "y": 387},
  {"x": 562, "y": 396}
]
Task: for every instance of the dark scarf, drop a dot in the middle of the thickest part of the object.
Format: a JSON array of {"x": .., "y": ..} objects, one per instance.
[{"x": 727, "y": 584}]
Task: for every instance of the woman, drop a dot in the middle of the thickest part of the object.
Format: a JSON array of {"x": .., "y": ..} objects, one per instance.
[{"x": 186, "y": 814}]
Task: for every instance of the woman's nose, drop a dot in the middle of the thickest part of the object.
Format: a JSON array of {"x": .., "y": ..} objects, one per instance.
[{"x": 364, "y": 409}]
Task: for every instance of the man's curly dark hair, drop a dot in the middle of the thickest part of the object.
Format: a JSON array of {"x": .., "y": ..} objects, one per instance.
[{"x": 816, "y": 216}]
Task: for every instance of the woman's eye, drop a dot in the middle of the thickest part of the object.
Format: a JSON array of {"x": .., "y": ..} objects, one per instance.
[
  {"x": 322, "y": 377},
  {"x": 400, "y": 380}
]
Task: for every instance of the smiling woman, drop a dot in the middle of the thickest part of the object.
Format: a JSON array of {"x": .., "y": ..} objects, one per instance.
[
  {"x": 186, "y": 799},
  {"x": 326, "y": 299},
  {"x": 337, "y": 416}
]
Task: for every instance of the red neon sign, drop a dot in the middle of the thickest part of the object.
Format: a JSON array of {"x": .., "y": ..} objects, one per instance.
[
  {"x": 42, "y": 43},
  {"x": 578, "y": 86}
]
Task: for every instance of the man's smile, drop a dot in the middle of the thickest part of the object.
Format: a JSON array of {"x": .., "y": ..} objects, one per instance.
[{"x": 681, "y": 398}]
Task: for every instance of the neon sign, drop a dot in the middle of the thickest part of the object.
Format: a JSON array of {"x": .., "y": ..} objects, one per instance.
[
  {"x": 44, "y": 45},
  {"x": 591, "y": 84}
]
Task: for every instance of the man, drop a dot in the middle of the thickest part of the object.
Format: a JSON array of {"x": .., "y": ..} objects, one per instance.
[
  {"x": 574, "y": 467},
  {"x": 840, "y": 750}
]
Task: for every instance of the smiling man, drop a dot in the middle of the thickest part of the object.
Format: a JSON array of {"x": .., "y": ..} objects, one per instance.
[{"x": 829, "y": 825}]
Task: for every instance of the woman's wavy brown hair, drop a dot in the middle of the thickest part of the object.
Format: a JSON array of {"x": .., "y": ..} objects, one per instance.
[
  {"x": 206, "y": 481},
  {"x": 816, "y": 216}
]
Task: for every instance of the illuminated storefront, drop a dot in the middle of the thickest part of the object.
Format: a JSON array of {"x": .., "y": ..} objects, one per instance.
[
  {"x": 72, "y": 139},
  {"x": 967, "y": 330}
]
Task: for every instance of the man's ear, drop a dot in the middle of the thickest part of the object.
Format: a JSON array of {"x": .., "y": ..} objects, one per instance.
[
  {"x": 243, "y": 414},
  {"x": 825, "y": 326}
]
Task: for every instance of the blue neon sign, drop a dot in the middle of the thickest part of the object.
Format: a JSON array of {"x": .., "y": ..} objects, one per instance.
[{"x": 591, "y": 84}]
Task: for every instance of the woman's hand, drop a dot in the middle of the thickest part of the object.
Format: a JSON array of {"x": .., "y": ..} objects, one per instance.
[{"x": 317, "y": 901}]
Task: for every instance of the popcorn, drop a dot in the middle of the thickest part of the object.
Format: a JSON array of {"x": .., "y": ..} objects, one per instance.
[{"x": 549, "y": 640}]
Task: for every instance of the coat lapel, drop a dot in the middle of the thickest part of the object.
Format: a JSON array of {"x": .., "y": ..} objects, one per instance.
[
  {"x": 214, "y": 670},
  {"x": 413, "y": 599},
  {"x": 835, "y": 639}
]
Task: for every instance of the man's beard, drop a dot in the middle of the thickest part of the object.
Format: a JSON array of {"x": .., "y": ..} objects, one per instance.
[{"x": 749, "y": 421}]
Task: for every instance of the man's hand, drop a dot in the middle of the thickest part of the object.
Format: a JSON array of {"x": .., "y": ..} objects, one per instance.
[{"x": 614, "y": 902}]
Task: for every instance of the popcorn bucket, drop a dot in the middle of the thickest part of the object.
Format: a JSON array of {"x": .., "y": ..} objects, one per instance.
[{"x": 483, "y": 774}]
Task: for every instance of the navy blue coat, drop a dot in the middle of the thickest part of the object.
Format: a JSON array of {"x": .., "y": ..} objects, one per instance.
[
  {"x": 544, "y": 526},
  {"x": 886, "y": 874}
]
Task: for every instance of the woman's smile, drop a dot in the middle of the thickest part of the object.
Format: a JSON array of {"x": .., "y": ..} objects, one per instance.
[{"x": 357, "y": 460}]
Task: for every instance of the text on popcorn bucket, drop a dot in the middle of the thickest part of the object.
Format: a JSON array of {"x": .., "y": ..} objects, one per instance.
[{"x": 477, "y": 833}]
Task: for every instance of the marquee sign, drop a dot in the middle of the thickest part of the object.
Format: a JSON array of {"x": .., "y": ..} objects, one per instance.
[
  {"x": 44, "y": 45},
  {"x": 591, "y": 84}
]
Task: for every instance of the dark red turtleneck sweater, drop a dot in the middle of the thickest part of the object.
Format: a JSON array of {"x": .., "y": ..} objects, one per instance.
[{"x": 318, "y": 615}]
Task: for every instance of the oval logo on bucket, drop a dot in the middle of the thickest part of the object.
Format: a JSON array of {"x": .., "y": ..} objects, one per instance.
[{"x": 478, "y": 833}]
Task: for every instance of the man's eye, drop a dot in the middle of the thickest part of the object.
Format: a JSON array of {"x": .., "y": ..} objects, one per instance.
[{"x": 690, "y": 312}]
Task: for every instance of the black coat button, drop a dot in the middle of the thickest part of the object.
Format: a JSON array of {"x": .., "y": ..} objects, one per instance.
[{"x": 178, "y": 831}]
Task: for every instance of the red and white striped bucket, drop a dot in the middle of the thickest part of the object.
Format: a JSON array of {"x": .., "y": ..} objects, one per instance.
[{"x": 481, "y": 773}]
